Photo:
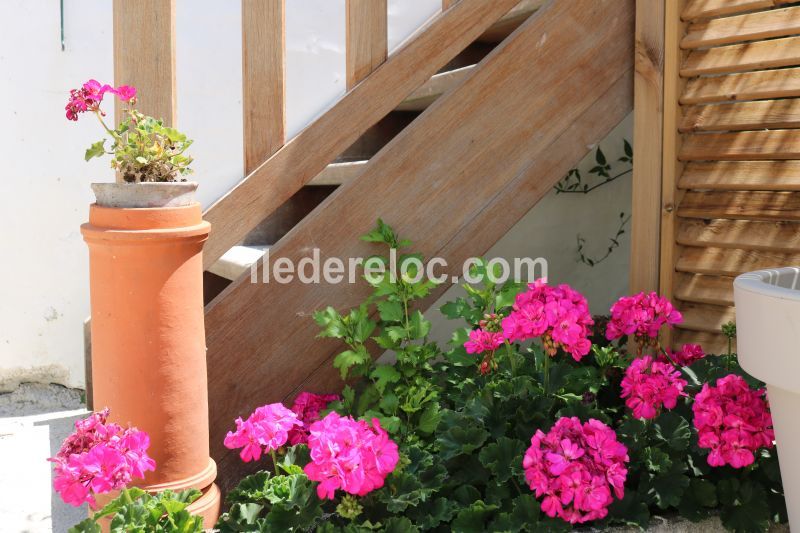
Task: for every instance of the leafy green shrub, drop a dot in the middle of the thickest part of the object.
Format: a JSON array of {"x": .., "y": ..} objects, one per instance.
[
  {"x": 463, "y": 429},
  {"x": 136, "y": 511}
]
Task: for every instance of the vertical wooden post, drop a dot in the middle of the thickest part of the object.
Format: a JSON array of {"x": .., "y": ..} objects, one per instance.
[
  {"x": 648, "y": 97},
  {"x": 263, "y": 79},
  {"x": 366, "y": 38},
  {"x": 144, "y": 55},
  {"x": 674, "y": 30}
]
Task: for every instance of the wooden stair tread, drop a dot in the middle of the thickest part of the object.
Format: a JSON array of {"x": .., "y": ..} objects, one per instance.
[
  {"x": 747, "y": 205},
  {"x": 700, "y": 9},
  {"x": 766, "y": 114},
  {"x": 773, "y": 144},
  {"x": 700, "y": 288},
  {"x": 511, "y": 21},
  {"x": 705, "y": 317},
  {"x": 741, "y": 175},
  {"x": 749, "y": 27},
  {"x": 731, "y": 262},
  {"x": 432, "y": 89},
  {"x": 339, "y": 173},
  {"x": 783, "y": 83},
  {"x": 712, "y": 343},
  {"x": 775, "y": 53},
  {"x": 774, "y": 236}
]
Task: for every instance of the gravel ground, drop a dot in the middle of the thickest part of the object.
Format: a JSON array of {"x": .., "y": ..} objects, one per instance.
[{"x": 34, "y": 420}]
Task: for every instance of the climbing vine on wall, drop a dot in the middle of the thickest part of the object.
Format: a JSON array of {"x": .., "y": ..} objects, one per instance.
[{"x": 600, "y": 174}]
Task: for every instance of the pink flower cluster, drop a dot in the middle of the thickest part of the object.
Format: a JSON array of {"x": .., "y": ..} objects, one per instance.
[
  {"x": 99, "y": 457},
  {"x": 481, "y": 341},
  {"x": 576, "y": 467},
  {"x": 307, "y": 407},
  {"x": 688, "y": 354},
  {"x": 558, "y": 314},
  {"x": 265, "y": 430},
  {"x": 650, "y": 385},
  {"x": 733, "y": 421},
  {"x": 641, "y": 315},
  {"x": 90, "y": 95},
  {"x": 349, "y": 455}
]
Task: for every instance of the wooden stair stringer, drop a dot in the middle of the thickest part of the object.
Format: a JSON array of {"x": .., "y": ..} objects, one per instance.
[{"x": 436, "y": 182}]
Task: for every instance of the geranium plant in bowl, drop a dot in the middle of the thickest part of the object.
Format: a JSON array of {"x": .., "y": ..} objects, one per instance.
[
  {"x": 145, "y": 236},
  {"x": 149, "y": 157}
]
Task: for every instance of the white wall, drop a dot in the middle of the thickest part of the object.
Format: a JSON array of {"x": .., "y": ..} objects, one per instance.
[
  {"x": 549, "y": 231},
  {"x": 44, "y": 193}
]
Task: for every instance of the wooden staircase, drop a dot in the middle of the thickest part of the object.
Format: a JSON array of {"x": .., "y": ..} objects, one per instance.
[
  {"x": 353, "y": 160},
  {"x": 491, "y": 139},
  {"x": 731, "y": 175}
]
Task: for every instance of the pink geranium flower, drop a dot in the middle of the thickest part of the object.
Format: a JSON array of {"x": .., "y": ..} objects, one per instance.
[
  {"x": 560, "y": 315},
  {"x": 307, "y": 406},
  {"x": 650, "y": 385},
  {"x": 265, "y": 430},
  {"x": 481, "y": 341},
  {"x": 733, "y": 422},
  {"x": 642, "y": 315},
  {"x": 688, "y": 354},
  {"x": 576, "y": 469},
  {"x": 99, "y": 457},
  {"x": 349, "y": 455},
  {"x": 90, "y": 96}
]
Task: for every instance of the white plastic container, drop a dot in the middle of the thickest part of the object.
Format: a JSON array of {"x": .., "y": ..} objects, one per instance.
[{"x": 768, "y": 340}]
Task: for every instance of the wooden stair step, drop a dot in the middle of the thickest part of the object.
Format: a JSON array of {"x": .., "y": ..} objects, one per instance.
[
  {"x": 741, "y": 175},
  {"x": 775, "y": 236},
  {"x": 432, "y": 89},
  {"x": 742, "y": 57},
  {"x": 339, "y": 173},
  {"x": 701, "y": 9},
  {"x": 511, "y": 21},
  {"x": 704, "y": 317},
  {"x": 766, "y": 114},
  {"x": 731, "y": 262},
  {"x": 712, "y": 343},
  {"x": 746, "y": 205},
  {"x": 703, "y": 289},
  {"x": 740, "y": 28},
  {"x": 238, "y": 260},
  {"x": 782, "y": 83},
  {"x": 744, "y": 145}
]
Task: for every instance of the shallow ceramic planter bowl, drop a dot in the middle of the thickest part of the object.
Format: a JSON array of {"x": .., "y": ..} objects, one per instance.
[
  {"x": 768, "y": 342},
  {"x": 150, "y": 194}
]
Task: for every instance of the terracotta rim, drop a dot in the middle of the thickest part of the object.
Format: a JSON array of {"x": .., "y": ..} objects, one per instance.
[{"x": 199, "y": 481}]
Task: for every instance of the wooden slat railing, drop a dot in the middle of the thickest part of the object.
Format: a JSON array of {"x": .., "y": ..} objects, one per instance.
[
  {"x": 298, "y": 161},
  {"x": 263, "y": 79}
]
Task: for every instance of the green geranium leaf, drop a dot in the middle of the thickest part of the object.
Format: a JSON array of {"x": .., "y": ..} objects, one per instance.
[
  {"x": 674, "y": 430},
  {"x": 95, "y": 150},
  {"x": 430, "y": 418},
  {"x": 390, "y": 311},
  {"x": 349, "y": 359},
  {"x": 473, "y": 518},
  {"x": 383, "y": 375},
  {"x": 503, "y": 458},
  {"x": 399, "y": 524},
  {"x": 666, "y": 490}
]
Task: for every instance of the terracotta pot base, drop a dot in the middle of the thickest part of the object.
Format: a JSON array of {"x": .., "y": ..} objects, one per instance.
[{"x": 148, "y": 338}]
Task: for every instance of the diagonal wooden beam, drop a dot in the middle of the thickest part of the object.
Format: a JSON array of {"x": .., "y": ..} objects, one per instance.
[
  {"x": 305, "y": 156},
  {"x": 529, "y": 92}
]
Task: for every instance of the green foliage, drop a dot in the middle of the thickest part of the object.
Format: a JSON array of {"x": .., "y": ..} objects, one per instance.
[
  {"x": 462, "y": 435},
  {"x": 144, "y": 149},
  {"x": 135, "y": 511}
]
